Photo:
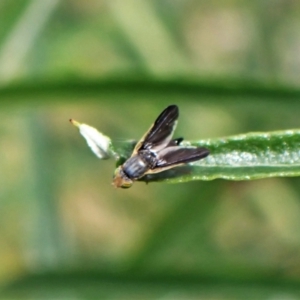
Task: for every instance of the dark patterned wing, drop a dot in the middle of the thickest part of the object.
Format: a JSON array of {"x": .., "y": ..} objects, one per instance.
[
  {"x": 160, "y": 133},
  {"x": 173, "y": 156},
  {"x": 175, "y": 142}
]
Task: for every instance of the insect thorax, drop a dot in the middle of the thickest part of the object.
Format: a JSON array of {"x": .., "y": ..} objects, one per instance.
[{"x": 136, "y": 166}]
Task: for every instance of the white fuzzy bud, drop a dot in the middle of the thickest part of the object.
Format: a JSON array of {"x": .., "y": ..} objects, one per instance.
[{"x": 99, "y": 143}]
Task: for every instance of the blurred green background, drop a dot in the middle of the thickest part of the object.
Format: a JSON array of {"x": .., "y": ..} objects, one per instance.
[{"x": 65, "y": 233}]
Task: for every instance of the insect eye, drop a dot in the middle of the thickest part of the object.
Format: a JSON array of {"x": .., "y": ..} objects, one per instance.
[
  {"x": 121, "y": 180},
  {"x": 126, "y": 184}
]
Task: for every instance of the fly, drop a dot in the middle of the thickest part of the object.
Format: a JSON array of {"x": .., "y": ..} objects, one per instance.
[{"x": 156, "y": 151}]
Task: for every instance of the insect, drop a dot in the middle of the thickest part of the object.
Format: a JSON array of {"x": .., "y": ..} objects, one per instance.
[{"x": 156, "y": 151}]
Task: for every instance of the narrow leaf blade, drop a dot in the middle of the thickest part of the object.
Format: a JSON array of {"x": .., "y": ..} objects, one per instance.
[{"x": 242, "y": 157}]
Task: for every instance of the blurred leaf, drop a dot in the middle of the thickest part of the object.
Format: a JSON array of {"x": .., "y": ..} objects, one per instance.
[{"x": 97, "y": 285}]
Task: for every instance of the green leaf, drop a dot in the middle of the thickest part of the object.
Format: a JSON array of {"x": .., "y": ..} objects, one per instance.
[{"x": 242, "y": 157}]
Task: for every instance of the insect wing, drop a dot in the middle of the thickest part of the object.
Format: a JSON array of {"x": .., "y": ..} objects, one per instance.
[
  {"x": 174, "y": 156},
  {"x": 160, "y": 133},
  {"x": 175, "y": 142}
]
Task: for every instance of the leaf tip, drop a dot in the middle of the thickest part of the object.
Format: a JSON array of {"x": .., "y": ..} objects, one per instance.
[{"x": 74, "y": 122}]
